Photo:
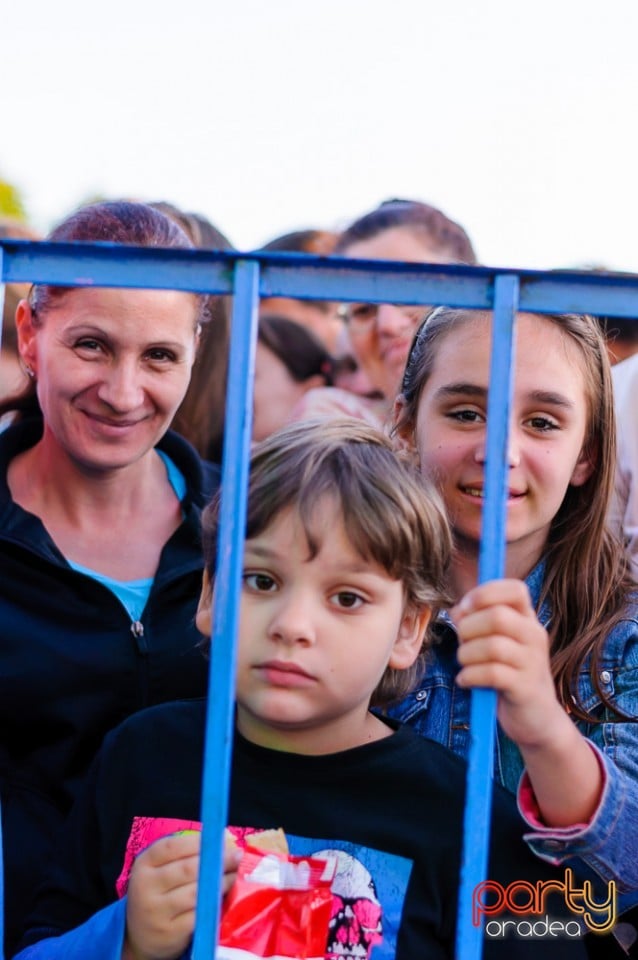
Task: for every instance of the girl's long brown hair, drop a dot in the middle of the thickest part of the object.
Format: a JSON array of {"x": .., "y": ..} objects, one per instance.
[{"x": 587, "y": 579}]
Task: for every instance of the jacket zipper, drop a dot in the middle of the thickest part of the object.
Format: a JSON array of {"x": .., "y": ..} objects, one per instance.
[{"x": 137, "y": 629}]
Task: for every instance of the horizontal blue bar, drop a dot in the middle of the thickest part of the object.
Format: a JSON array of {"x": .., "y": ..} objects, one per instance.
[{"x": 324, "y": 278}]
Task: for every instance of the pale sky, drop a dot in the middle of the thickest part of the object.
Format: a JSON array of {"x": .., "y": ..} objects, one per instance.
[{"x": 516, "y": 119}]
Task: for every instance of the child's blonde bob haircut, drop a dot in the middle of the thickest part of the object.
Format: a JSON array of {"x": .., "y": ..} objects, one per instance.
[{"x": 390, "y": 516}]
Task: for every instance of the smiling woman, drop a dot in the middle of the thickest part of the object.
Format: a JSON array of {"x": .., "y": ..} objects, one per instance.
[
  {"x": 99, "y": 507},
  {"x": 111, "y": 368}
]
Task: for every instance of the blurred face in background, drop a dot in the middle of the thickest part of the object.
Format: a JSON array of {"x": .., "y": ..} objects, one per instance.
[
  {"x": 276, "y": 392},
  {"x": 320, "y": 317},
  {"x": 381, "y": 333},
  {"x": 348, "y": 373}
]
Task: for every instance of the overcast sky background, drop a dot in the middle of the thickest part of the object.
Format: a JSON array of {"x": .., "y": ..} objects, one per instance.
[{"x": 518, "y": 119}]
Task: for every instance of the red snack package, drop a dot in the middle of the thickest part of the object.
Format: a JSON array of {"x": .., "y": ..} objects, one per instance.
[{"x": 279, "y": 907}]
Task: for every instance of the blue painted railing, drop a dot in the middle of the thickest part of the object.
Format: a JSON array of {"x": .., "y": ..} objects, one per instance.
[{"x": 247, "y": 277}]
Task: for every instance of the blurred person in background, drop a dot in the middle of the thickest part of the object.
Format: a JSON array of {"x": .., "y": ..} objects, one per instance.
[
  {"x": 621, "y": 335},
  {"x": 623, "y": 514},
  {"x": 320, "y": 316},
  {"x": 350, "y": 395},
  {"x": 409, "y": 231},
  {"x": 289, "y": 361},
  {"x": 12, "y": 376},
  {"x": 200, "y": 418},
  {"x": 348, "y": 373}
]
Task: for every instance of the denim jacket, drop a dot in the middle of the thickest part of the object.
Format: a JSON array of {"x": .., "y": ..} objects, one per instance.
[{"x": 608, "y": 844}]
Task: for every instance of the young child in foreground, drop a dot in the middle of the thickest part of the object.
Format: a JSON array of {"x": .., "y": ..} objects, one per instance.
[{"x": 345, "y": 560}]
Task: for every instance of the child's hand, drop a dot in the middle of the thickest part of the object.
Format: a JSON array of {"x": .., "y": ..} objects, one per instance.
[
  {"x": 162, "y": 895},
  {"x": 502, "y": 645}
]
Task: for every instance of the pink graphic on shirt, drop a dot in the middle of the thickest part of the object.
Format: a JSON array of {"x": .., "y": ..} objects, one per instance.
[
  {"x": 356, "y": 924},
  {"x": 144, "y": 832}
]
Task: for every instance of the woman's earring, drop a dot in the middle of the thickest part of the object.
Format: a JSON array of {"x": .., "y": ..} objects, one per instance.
[{"x": 28, "y": 369}]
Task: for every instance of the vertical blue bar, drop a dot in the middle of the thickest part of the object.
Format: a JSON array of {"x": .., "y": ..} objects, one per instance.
[
  {"x": 232, "y": 526},
  {"x": 1, "y": 847},
  {"x": 478, "y": 801}
]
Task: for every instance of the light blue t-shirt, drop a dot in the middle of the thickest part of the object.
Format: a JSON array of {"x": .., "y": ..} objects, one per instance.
[{"x": 133, "y": 594}]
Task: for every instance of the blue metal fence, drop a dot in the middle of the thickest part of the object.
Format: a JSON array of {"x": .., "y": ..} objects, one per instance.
[{"x": 248, "y": 276}]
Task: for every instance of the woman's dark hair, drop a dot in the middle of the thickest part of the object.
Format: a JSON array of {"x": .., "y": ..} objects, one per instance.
[
  {"x": 442, "y": 233},
  {"x": 320, "y": 242},
  {"x": 199, "y": 230},
  {"x": 125, "y": 222},
  {"x": 301, "y": 352},
  {"x": 135, "y": 224}
]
